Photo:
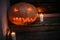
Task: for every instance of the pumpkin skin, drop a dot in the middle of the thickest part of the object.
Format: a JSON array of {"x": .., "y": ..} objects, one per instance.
[{"x": 22, "y": 13}]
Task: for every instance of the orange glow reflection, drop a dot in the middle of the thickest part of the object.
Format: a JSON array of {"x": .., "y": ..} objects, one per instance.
[{"x": 40, "y": 9}]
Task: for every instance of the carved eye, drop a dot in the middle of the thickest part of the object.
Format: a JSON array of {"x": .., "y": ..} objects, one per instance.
[
  {"x": 29, "y": 9},
  {"x": 15, "y": 9}
]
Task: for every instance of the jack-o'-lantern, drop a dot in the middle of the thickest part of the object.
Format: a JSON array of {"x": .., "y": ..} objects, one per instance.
[{"x": 22, "y": 13}]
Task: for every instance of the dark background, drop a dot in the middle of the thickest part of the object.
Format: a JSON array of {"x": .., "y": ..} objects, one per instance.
[{"x": 51, "y": 6}]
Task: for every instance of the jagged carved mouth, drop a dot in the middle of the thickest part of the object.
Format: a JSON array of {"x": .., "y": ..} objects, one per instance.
[{"x": 21, "y": 20}]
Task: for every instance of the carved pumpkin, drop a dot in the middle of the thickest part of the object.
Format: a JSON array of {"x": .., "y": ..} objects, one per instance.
[{"x": 22, "y": 13}]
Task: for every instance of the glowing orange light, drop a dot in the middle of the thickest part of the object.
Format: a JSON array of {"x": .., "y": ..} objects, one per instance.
[
  {"x": 30, "y": 9},
  {"x": 20, "y": 21},
  {"x": 39, "y": 9},
  {"x": 27, "y": 20},
  {"x": 15, "y": 10},
  {"x": 16, "y": 18},
  {"x": 33, "y": 19}
]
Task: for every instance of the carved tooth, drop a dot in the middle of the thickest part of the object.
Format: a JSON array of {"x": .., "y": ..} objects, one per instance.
[
  {"x": 33, "y": 19},
  {"x": 20, "y": 19},
  {"x": 16, "y": 18}
]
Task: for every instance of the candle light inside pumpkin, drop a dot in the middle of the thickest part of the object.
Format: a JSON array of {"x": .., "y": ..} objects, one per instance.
[
  {"x": 13, "y": 35},
  {"x": 41, "y": 17}
]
